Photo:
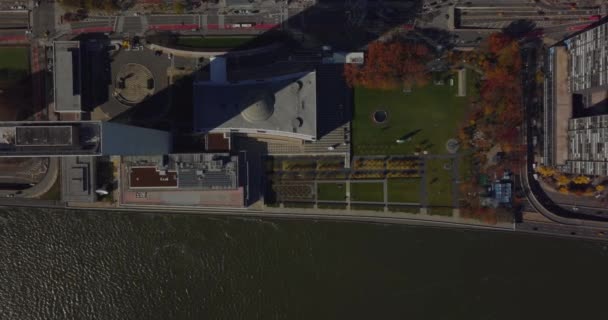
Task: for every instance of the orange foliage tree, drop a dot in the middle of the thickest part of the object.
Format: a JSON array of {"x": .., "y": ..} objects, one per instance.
[{"x": 390, "y": 65}]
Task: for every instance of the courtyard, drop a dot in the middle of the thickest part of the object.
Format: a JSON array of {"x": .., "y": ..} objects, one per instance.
[{"x": 417, "y": 123}]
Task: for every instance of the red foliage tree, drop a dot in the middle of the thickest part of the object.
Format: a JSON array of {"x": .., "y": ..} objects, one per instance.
[
  {"x": 497, "y": 41},
  {"x": 390, "y": 65}
]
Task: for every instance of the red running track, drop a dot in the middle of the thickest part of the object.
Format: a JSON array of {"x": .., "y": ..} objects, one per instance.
[
  {"x": 13, "y": 38},
  {"x": 93, "y": 30},
  {"x": 173, "y": 27},
  {"x": 263, "y": 26}
]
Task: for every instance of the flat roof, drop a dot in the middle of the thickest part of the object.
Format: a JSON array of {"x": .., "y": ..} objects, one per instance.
[
  {"x": 563, "y": 105},
  {"x": 43, "y": 136},
  {"x": 66, "y": 73},
  {"x": 217, "y": 142},
  {"x": 49, "y": 138},
  {"x": 78, "y": 179},
  {"x": 285, "y": 105},
  {"x": 207, "y": 179},
  {"x": 152, "y": 177}
]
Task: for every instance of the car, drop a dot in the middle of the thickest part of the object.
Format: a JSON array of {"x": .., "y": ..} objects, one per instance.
[{"x": 158, "y": 53}]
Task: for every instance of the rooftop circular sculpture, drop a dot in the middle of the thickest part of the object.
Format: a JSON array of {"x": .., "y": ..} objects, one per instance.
[
  {"x": 380, "y": 116},
  {"x": 261, "y": 109},
  {"x": 134, "y": 83}
]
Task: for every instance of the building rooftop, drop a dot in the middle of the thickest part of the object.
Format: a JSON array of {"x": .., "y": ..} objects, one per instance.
[
  {"x": 217, "y": 142},
  {"x": 43, "y": 136},
  {"x": 209, "y": 179},
  {"x": 66, "y": 75},
  {"x": 152, "y": 177},
  {"x": 284, "y": 106},
  {"x": 207, "y": 171},
  {"x": 78, "y": 179},
  {"x": 46, "y": 138}
]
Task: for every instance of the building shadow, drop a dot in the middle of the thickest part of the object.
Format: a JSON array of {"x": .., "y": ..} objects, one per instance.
[
  {"x": 519, "y": 28},
  {"x": 23, "y": 96}
]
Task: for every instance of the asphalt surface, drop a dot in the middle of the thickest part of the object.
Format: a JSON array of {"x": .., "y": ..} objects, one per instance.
[
  {"x": 132, "y": 25},
  {"x": 43, "y": 18}
]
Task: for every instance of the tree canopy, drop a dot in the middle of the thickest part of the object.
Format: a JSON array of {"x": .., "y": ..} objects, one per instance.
[{"x": 391, "y": 65}]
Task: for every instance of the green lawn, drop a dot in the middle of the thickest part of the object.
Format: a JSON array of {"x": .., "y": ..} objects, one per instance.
[
  {"x": 430, "y": 114},
  {"x": 439, "y": 182},
  {"x": 404, "y": 190},
  {"x": 14, "y": 63},
  {"x": 213, "y": 42},
  {"x": 331, "y": 191},
  {"x": 372, "y": 191}
]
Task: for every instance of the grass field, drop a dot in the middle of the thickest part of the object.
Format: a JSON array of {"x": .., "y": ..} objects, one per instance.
[
  {"x": 14, "y": 58},
  {"x": 14, "y": 63},
  {"x": 372, "y": 191},
  {"x": 404, "y": 190},
  {"x": 213, "y": 42},
  {"x": 429, "y": 115},
  {"x": 331, "y": 191},
  {"x": 439, "y": 182}
]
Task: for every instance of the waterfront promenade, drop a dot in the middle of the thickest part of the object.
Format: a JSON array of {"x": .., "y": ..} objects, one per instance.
[{"x": 363, "y": 216}]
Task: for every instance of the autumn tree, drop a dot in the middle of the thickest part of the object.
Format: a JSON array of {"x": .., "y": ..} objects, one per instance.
[
  {"x": 546, "y": 171},
  {"x": 581, "y": 180},
  {"x": 562, "y": 180},
  {"x": 497, "y": 41},
  {"x": 391, "y": 65}
]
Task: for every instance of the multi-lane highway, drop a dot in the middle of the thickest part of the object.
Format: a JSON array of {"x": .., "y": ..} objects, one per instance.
[{"x": 500, "y": 17}]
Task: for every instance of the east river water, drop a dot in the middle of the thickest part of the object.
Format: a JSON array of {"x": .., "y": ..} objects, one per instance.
[{"x": 59, "y": 264}]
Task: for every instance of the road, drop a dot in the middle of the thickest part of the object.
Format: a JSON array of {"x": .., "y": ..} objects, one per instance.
[{"x": 44, "y": 18}]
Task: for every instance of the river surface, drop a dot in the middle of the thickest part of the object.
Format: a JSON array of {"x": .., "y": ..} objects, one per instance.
[{"x": 58, "y": 264}]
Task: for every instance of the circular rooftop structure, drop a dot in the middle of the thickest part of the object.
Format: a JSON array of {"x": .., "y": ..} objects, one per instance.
[
  {"x": 261, "y": 109},
  {"x": 134, "y": 83}
]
